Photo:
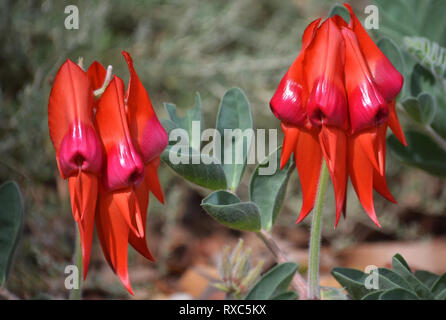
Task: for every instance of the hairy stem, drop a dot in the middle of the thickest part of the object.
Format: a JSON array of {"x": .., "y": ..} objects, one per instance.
[
  {"x": 315, "y": 238},
  {"x": 298, "y": 282}
]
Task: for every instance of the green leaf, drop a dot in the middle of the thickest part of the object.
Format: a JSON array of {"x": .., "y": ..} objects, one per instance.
[
  {"x": 352, "y": 280},
  {"x": 421, "y": 109},
  {"x": 400, "y": 266},
  {"x": 11, "y": 221},
  {"x": 329, "y": 293},
  {"x": 440, "y": 285},
  {"x": 234, "y": 113},
  {"x": 393, "y": 53},
  {"x": 398, "y": 294},
  {"x": 426, "y": 277},
  {"x": 421, "y": 80},
  {"x": 210, "y": 175},
  {"x": 289, "y": 295},
  {"x": 420, "y": 152},
  {"x": 441, "y": 295},
  {"x": 273, "y": 283},
  {"x": 226, "y": 208},
  {"x": 373, "y": 295},
  {"x": 268, "y": 191},
  {"x": 389, "y": 280},
  {"x": 186, "y": 122},
  {"x": 341, "y": 11}
]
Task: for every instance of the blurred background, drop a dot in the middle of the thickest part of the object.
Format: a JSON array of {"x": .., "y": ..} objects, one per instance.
[{"x": 179, "y": 48}]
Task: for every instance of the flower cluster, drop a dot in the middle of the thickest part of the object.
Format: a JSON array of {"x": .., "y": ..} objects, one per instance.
[
  {"x": 109, "y": 150},
  {"x": 335, "y": 103}
]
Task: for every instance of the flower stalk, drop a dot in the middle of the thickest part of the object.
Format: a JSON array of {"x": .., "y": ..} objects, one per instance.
[
  {"x": 315, "y": 238},
  {"x": 76, "y": 294}
]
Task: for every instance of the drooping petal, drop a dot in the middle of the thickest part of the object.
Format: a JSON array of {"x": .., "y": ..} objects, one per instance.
[
  {"x": 395, "y": 125},
  {"x": 388, "y": 80},
  {"x": 308, "y": 156},
  {"x": 113, "y": 233},
  {"x": 152, "y": 180},
  {"x": 148, "y": 134},
  {"x": 96, "y": 74},
  {"x": 290, "y": 138},
  {"x": 288, "y": 102},
  {"x": 360, "y": 171},
  {"x": 370, "y": 142},
  {"x": 70, "y": 121},
  {"x": 123, "y": 166},
  {"x": 379, "y": 179},
  {"x": 140, "y": 244},
  {"x": 83, "y": 193},
  {"x": 333, "y": 142},
  {"x": 324, "y": 71},
  {"x": 367, "y": 107},
  {"x": 126, "y": 201}
]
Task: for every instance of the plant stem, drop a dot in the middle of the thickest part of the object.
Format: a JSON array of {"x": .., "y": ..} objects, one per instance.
[
  {"x": 76, "y": 294},
  {"x": 298, "y": 282},
  {"x": 315, "y": 238}
]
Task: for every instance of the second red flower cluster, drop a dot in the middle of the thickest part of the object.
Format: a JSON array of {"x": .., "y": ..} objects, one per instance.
[{"x": 335, "y": 102}]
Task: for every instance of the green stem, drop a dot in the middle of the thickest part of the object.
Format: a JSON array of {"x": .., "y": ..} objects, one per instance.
[
  {"x": 76, "y": 294},
  {"x": 315, "y": 239}
]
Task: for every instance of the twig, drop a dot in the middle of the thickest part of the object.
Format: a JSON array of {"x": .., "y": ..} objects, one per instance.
[{"x": 298, "y": 282}]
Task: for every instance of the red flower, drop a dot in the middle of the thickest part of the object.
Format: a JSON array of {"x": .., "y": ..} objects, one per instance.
[
  {"x": 109, "y": 150},
  {"x": 335, "y": 103}
]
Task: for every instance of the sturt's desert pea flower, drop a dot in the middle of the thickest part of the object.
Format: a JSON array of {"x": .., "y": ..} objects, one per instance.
[
  {"x": 335, "y": 103},
  {"x": 109, "y": 150}
]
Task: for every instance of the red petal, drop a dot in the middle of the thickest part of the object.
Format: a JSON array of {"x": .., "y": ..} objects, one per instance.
[
  {"x": 379, "y": 180},
  {"x": 324, "y": 71},
  {"x": 361, "y": 174},
  {"x": 395, "y": 125},
  {"x": 308, "y": 158},
  {"x": 140, "y": 244},
  {"x": 287, "y": 103},
  {"x": 96, "y": 73},
  {"x": 333, "y": 142},
  {"x": 83, "y": 193},
  {"x": 388, "y": 80},
  {"x": 370, "y": 143},
  {"x": 128, "y": 205},
  {"x": 290, "y": 138},
  {"x": 148, "y": 134},
  {"x": 367, "y": 107},
  {"x": 113, "y": 233},
  {"x": 70, "y": 121},
  {"x": 152, "y": 179},
  {"x": 124, "y": 166}
]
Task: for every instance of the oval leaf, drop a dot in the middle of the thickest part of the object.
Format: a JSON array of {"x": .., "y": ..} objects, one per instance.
[
  {"x": 352, "y": 280},
  {"x": 420, "y": 152},
  {"x": 398, "y": 294},
  {"x": 234, "y": 113},
  {"x": 226, "y": 208},
  {"x": 11, "y": 221},
  {"x": 273, "y": 283},
  {"x": 268, "y": 190},
  {"x": 210, "y": 175}
]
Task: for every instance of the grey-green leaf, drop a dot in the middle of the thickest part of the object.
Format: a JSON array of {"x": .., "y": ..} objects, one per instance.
[
  {"x": 400, "y": 266},
  {"x": 11, "y": 221},
  {"x": 234, "y": 113},
  {"x": 268, "y": 190},
  {"x": 273, "y": 283},
  {"x": 340, "y": 11},
  {"x": 226, "y": 208},
  {"x": 426, "y": 277},
  {"x": 440, "y": 285},
  {"x": 393, "y": 53},
  {"x": 210, "y": 175},
  {"x": 194, "y": 114},
  {"x": 373, "y": 295},
  {"x": 398, "y": 294},
  {"x": 421, "y": 152},
  {"x": 352, "y": 280},
  {"x": 289, "y": 295}
]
